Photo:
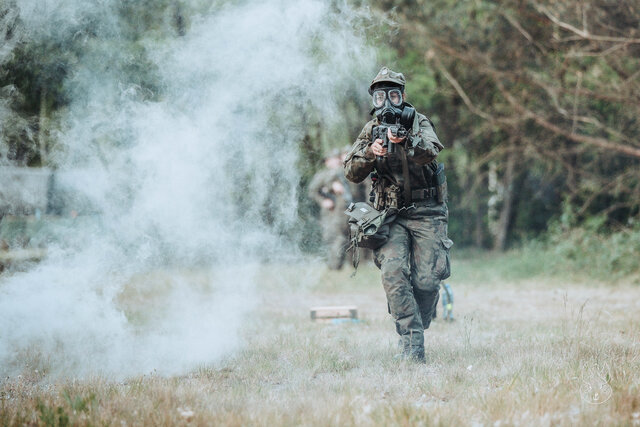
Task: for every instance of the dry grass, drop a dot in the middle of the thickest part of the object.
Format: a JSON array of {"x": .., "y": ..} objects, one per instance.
[{"x": 522, "y": 353}]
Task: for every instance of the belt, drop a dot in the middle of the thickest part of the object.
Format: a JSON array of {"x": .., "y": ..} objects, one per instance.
[{"x": 424, "y": 194}]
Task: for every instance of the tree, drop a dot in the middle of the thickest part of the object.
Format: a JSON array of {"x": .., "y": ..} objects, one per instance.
[{"x": 539, "y": 92}]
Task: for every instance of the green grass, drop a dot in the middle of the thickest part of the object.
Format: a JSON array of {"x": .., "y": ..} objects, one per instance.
[
  {"x": 486, "y": 268},
  {"x": 587, "y": 254}
]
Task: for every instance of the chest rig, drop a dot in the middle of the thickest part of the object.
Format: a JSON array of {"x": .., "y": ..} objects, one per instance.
[{"x": 388, "y": 192}]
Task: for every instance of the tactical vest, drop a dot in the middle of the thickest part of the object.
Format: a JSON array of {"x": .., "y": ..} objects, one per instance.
[{"x": 398, "y": 183}]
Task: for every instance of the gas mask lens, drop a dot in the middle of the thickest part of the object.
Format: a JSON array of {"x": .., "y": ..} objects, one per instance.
[{"x": 393, "y": 95}]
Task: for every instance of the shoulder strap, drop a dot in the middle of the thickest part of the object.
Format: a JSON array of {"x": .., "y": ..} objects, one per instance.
[{"x": 405, "y": 175}]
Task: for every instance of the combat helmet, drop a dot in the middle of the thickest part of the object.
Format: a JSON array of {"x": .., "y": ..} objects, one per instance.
[{"x": 387, "y": 75}]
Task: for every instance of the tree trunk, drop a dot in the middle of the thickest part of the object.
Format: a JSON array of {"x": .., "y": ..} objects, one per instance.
[
  {"x": 43, "y": 128},
  {"x": 178, "y": 19},
  {"x": 507, "y": 202},
  {"x": 479, "y": 230}
]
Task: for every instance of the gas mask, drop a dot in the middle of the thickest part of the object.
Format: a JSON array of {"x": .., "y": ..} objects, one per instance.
[
  {"x": 389, "y": 108},
  {"x": 393, "y": 115}
]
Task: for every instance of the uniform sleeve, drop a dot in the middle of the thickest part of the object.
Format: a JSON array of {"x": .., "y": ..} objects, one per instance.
[
  {"x": 424, "y": 145},
  {"x": 358, "y": 164}
]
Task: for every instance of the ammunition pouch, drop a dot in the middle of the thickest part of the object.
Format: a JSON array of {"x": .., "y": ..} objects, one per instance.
[
  {"x": 387, "y": 197},
  {"x": 392, "y": 197}
]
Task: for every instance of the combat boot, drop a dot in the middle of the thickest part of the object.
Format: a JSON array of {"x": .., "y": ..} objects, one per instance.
[
  {"x": 408, "y": 352},
  {"x": 412, "y": 356},
  {"x": 416, "y": 354}
]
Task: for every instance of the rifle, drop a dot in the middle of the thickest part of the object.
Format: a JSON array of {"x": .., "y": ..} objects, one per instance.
[{"x": 398, "y": 129}]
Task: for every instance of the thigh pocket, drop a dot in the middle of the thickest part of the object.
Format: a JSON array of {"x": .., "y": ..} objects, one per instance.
[{"x": 442, "y": 266}]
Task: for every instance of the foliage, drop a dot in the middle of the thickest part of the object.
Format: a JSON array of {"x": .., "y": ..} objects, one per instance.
[
  {"x": 597, "y": 251},
  {"x": 591, "y": 252},
  {"x": 537, "y": 102},
  {"x": 51, "y": 417},
  {"x": 35, "y": 77}
]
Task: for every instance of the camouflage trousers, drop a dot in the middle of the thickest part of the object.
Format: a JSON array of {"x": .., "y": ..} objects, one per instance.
[{"x": 413, "y": 262}]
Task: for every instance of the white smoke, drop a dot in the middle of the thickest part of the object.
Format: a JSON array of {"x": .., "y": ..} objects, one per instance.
[{"x": 195, "y": 184}]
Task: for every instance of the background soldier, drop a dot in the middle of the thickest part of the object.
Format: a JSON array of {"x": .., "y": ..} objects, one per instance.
[
  {"x": 333, "y": 193},
  {"x": 408, "y": 180}
]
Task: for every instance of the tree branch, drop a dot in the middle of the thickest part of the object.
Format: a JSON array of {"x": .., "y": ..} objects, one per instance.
[
  {"x": 583, "y": 34},
  {"x": 582, "y": 139},
  {"x": 458, "y": 87}
]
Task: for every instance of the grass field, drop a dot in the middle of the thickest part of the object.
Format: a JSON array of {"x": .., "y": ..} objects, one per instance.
[{"x": 538, "y": 351}]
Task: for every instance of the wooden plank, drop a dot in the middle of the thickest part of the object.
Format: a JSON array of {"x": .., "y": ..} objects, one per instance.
[
  {"x": 334, "y": 312},
  {"x": 17, "y": 255}
]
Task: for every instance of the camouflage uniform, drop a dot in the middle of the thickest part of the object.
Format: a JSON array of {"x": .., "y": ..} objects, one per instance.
[
  {"x": 335, "y": 230},
  {"x": 416, "y": 256}
]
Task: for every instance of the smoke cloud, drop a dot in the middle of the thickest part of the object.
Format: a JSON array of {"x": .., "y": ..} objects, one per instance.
[{"x": 193, "y": 182}]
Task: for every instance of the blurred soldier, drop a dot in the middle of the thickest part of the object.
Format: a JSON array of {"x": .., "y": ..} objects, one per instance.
[
  {"x": 332, "y": 192},
  {"x": 398, "y": 147}
]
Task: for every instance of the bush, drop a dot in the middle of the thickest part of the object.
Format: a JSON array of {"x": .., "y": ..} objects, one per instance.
[{"x": 602, "y": 254}]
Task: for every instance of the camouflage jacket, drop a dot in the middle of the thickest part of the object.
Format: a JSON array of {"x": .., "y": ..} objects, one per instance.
[{"x": 421, "y": 146}]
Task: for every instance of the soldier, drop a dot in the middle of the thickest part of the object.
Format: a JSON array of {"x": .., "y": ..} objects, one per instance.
[
  {"x": 332, "y": 192},
  {"x": 410, "y": 183}
]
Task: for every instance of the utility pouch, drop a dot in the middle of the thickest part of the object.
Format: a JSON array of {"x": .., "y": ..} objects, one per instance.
[
  {"x": 441, "y": 184},
  {"x": 368, "y": 227}
]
